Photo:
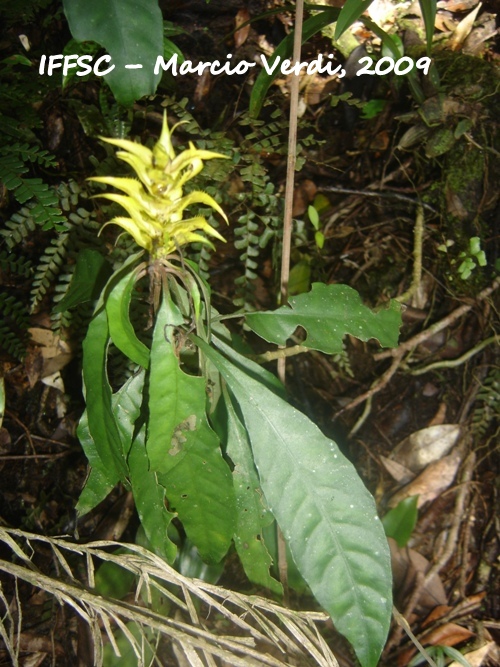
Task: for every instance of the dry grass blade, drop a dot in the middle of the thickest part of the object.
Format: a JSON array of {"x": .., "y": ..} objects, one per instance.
[{"x": 256, "y": 631}]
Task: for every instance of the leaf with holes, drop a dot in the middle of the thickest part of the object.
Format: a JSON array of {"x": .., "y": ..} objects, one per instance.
[
  {"x": 327, "y": 313},
  {"x": 183, "y": 449}
]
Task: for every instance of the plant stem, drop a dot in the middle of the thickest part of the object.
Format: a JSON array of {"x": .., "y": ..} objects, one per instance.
[{"x": 287, "y": 234}]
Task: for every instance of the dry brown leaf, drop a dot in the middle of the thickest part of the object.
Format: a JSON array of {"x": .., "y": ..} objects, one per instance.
[
  {"x": 484, "y": 30},
  {"x": 463, "y": 29},
  {"x": 477, "y": 657},
  {"x": 457, "y": 5},
  {"x": 426, "y": 446},
  {"x": 241, "y": 34},
  {"x": 52, "y": 352},
  {"x": 397, "y": 471},
  {"x": 437, "y": 613},
  {"x": 203, "y": 86},
  {"x": 435, "y": 479},
  {"x": 449, "y": 634},
  {"x": 407, "y": 566},
  {"x": 445, "y": 22},
  {"x": 303, "y": 195}
]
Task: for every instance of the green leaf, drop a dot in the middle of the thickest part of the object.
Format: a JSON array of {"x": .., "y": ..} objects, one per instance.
[
  {"x": 120, "y": 328},
  {"x": 172, "y": 393},
  {"x": 350, "y": 13},
  {"x": 131, "y": 31},
  {"x": 299, "y": 280},
  {"x": 251, "y": 511},
  {"x": 284, "y": 50},
  {"x": 313, "y": 217},
  {"x": 101, "y": 422},
  {"x": 101, "y": 480},
  {"x": 260, "y": 374},
  {"x": 401, "y": 520},
  {"x": 149, "y": 497},
  {"x": 182, "y": 447},
  {"x": 326, "y": 514},
  {"x": 429, "y": 8},
  {"x": 92, "y": 271},
  {"x": 456, "y": 655},
  {"x": 199, "y": 487},
  {"x": 392, "y": 47},
  {"x": 327, "y": 313}
]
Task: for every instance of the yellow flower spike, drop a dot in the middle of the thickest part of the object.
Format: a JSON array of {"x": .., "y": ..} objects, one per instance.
[
  {"x": 156, "y": 202},
  {"x": 142, "y": 239},
  {"x": 163, "y": 151},
  {"x": 143, "y": 153},
  {"x": 145, "y": 222}
]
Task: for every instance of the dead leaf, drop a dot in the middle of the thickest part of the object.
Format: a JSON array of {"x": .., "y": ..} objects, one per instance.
[
  {"x": 457, "y": 5},
  {"x": 448, "y": 634},
  {"x": 303, "y": 195},
  {"x": 437, "y": 613},
  {"x": 397, "y": 471},
  {"x": 463, "y": 29},
  {"x": 476, "y": 658},
  {"x": 241, "y": 34},
  {"x": 203, "y": 86},
  {"x": 474, "y": 45},
  {"x": 407, "y": 567},
  {"x": 52, "y": 353},
  {"x": 426, "y": 446},
  {"x": 435, "y": 479}
]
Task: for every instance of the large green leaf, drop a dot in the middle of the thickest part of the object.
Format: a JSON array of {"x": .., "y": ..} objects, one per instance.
[
  {"x": 327, "y": 313},
  {"x": 149, "y": 494},
  {"x": 251, "y": 513},
  {"x": 131, "y": 31},
  {"x": 101, "y": 421},
  {"x": 101, "y": 479},
  {"x": 327, "y": 515},
  {"x": 174, "y": 404},
  {"x": 120, "y": 328},
  {"x": 149, "y": 497},
  {"x": 91, "y": 274},
  {"x": 199, "y": 488},
  {"x": 182, "y": 448}
]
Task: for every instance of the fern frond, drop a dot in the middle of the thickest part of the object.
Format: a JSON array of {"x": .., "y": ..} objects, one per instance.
[
  {"x": 488, "y": 403},
  {"x": 18, "y": 227},
  {"x": 14, "y": 325},
  {"x": 49, "y": 268},
  {"x": 16, "y": 265},
  {"x": 29, "y": 153}
]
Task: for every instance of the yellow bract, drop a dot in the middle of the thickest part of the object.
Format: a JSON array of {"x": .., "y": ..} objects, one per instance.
[{"x": 156, "y": 202}]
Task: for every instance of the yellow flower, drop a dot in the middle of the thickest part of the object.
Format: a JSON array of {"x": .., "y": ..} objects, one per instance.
[{"x": 156, "y": 202}]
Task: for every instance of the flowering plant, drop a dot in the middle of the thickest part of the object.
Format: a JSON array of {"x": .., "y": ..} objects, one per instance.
[{"x": 156, "y": 202}]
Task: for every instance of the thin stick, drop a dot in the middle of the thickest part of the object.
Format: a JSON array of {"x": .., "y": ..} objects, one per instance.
[
  {"x": 417, "y": 257},
  {"x": 287, "y": 233}
]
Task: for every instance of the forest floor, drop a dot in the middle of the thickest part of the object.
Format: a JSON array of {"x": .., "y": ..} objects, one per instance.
[{"x": 419, "y": 420}]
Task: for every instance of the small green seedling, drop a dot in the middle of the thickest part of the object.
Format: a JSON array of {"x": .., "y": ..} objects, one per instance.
[{"x": 469, "y": 260}]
